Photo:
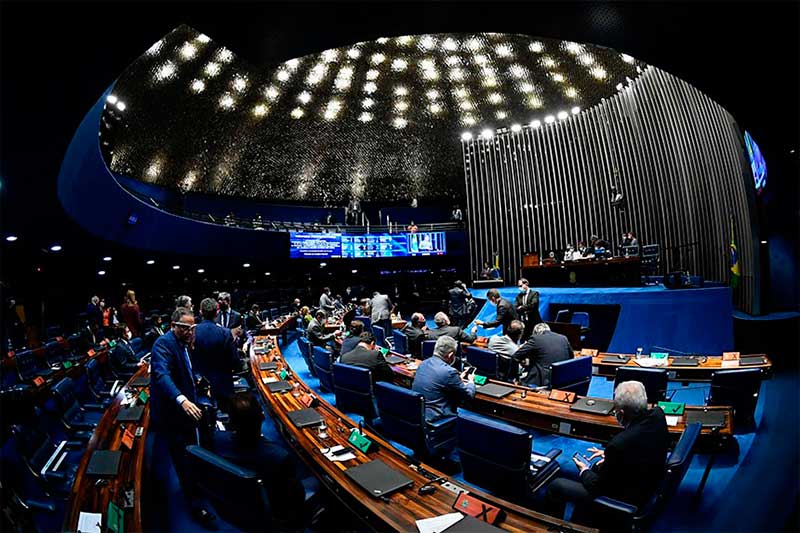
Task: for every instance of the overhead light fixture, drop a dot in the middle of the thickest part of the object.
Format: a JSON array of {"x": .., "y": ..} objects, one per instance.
[
  {"x": 107, "y": 258},
  {"x": 536, "y": 124},
  {"x": 11, "y": 238},
  {"x": 176, "y": 267},
  {"x": 323, "y": 265},
  {"x": 55, "y": 248},
  {"x": 487, "y": 133},
  {"x": 549, "y": 119},
  {"x": 121, "y": 105},
  {"x": 466, "y": 136},
  {"x": 101, "y": 272},
  {"x": 516, "y": 128},
  {"x": 201, "y": 270},
  {"x": 267, "y": 273},
  {"x": 562, "y": 115},
  {"x": 246, "y": 265},
  {"x": 354, "y": 271},
  {"x": 575, "y": 110}
]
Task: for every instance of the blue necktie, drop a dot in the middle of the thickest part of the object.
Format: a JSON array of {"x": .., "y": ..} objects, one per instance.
[{"x": 188, "y": 362}]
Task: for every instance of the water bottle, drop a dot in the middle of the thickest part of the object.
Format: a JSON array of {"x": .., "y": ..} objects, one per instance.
[{"x": 639, "y": 352}]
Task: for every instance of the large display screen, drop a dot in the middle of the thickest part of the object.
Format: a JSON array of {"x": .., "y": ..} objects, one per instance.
[
  {"x": 757, "y": 163},
  {"x": 338, "y": 245}
]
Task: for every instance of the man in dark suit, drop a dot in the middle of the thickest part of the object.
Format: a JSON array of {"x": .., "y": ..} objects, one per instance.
[
  {"x": 527, "y": 305},
  {"x": 352, "y": 340},
  {"x": 325, "y": 301},
  {"x": 227, "y": 317},
  {"x": 544, "y": 348},
  {"x": 215, "y": 356},
  {"x": 459, "y": 303},
  {"x": 367, "y": 356},
  {"x": 505, "y": 312},
  {"x": 382, "y": 308},
  {"x": 633, "y": 462},
  {"x": 122, "y": 358},
  {"x": 174, "y": 414},
  {"x": 415, "y": 330},
  {"x": 444, "y": 329},
  {"x": 316, "y": 330},
  {"x": 94, "y": 314}
]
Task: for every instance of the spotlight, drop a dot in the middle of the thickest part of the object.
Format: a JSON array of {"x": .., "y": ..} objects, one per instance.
[
  {"x": 562, "y": 115},
  {"x": 323, "y": 265},
  {"x": 267, "y": 273},
  {"x": 549, "y": 119},
  {"x": 201, "y": 270},
  {"x": 246, "y": 265},
  {"x": 516, "y": 128},
  {"x": 466, "y": 136},
  {"x": 198, "y": 86},
  {"x": 151, "y": 262},
  {"x": 111, "y": 99},
  {"x": 101, "y": 272},
  {"x": 107, "y": 258},
  {"x": 355, "y": 271},
  {"x": 55, "y": 248},
  {"x": 121, "y": 105},
  {"x": 575, "y": 110},
  {"x": 487, "y": 133},
  {"x": 11, "y": 238},
  {"x": 536, "y": 124},
  {"x": 176, "y": 267}
]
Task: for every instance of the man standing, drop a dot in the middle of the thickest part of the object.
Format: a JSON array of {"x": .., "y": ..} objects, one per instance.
[
  {"x": 544, "y": 348},
  {"x": 215, "y": 356},
  {"x": 505, "y": 312},
  {"x": 227, "y": 317},
  {"x": 382, "y": 308},
  {"x": 527, "y": 305},
  {"x": 325, "y": 301},
  {"x": 94, "y": 314},
  {"x": 365, "y": 355},
  {"x": 174, "y": 414},
  {"x": 459, "y": 303}
]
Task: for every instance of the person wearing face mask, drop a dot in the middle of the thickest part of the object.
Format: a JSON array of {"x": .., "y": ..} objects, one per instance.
[
  {"x": 505, "y": 312},
  {"x": 174, "y": 411},
  {"x": 227, "y": 317},
  {"x": 527, "y": 306},
  {"x": 632, "y": 464}
]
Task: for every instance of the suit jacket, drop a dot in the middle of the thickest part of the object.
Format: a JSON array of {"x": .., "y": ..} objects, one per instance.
[
  {"x": 316, "y": 333},
  {"x": 458, "y": 301},
  {"x": 415, "y": 337},
  {"x": 542, "y": 351},
  {"x": 381, "y": 308},
  {"x": 442, "y": 388},
  {"x": 372, "y": 359},
  {"x": 527, "y": 305},
  {"x": 350, "y": 343},
  {"x": 634, "y": 461},
  {"x": 503, "y": 345},
  {"x": 326, "y": 303},
  {"x": 451, "y": 331},
  {"x": 123, "y": 359},
  {"x": 505, "y": 314},
  {"x": 171, "y": 375},
  {"x": 229, "y": 319},
  {"x": 215, "y": 357}
]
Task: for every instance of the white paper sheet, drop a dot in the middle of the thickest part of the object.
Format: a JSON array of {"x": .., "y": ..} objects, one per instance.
[
  {"x": 90, "y": 522},
  {"x": 437, "y": 524}
]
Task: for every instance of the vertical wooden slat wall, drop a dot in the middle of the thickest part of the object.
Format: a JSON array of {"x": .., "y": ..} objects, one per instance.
[{"x": 676, "y": 155}]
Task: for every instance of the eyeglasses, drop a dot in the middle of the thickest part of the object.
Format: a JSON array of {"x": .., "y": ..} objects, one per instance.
[{"x": 184, "y": 325}]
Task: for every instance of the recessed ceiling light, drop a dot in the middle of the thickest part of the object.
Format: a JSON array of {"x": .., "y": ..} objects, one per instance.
[
  {"x": 176, "y": 267},
  {"x": 201, "y": 270},
  {"x": 107, "y": 258},
  {"x": 246, "y": 265},
  {"x": 11, "y": 238},
  {"x": 151, "y": 262},
  {"x": 267, "y": 273},
  {"x": 55, "y": 248},
  {"x": 101, "y": 272},
  {"x": 466, "y": 136}
]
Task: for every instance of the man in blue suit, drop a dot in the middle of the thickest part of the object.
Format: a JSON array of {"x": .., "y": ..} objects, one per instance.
[
  {"x": 215, "y": 356},
  {"x": 227, "y": 317},
  {"x": 174, "y": 413}
]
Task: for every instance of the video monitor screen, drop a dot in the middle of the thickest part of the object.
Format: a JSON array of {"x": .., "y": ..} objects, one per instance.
[
  {"x": 757, "y": 163},
  {"x": 338, "y": 245}
]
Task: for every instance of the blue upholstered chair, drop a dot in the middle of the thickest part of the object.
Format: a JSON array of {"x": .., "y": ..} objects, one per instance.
[
  {"x": 629, "y": 517},
  {"x": 323, "y": 367},
  {"x": 402, "y": 413},
  {"x": 304, "y": 346},
  {"x": 273, "y": 313},
  {"x": 400, "y": 342},
  {"x": 366, "y": 320},
  {"x": 237, "y": 494},
  {"x": 35, "y": 448},
  {"x": 738, "y": 388},
  {"x": 497, "y": 456},
  {"x": 484, "y": 361},
  {"x": 562, "y": 316},
  {"x": 353, "y": 389},
  {"x": 427, "y": 348},
  {"x": 73, "y": 414},
  {"x": 380, "y": 335},
  {"x": 653, "y": 379},
  {"x": 572, "y": 375},
  {"x": 582, "y": 319},
  {"x": 96, "y": 383},
  {"x": 27, "y": 366}
]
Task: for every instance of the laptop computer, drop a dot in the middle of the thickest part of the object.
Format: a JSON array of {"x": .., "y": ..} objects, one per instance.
[
  {"x": 614, "y": 359},
  {"x": 305, "y": 417},
  {"x": 595, "y": 406},
  {"x": 268, "y": 366},
  {"x": 395, "y": 359},
  {"x": 279, "y": 386},
  {"x": 494, "y": 390},
  {"x": 130, "y": 414},
  {"x": 470, "y": 524},
  {"x": 706, "y": 418},
  {"x": 141, "y": 381},
  {"x": 377, "y": 478},
  {"x": 751, "y": 361},
  {"x": 104, "y": 463},
  {"x": 685, "y": 361}
]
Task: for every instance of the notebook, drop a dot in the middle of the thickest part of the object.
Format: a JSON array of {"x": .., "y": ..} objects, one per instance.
[
  {"x": 470, "y": 524},
  {"x": 305, "y": 417},
  {"x": 614, "y": 359},
  {"x": 104, "y": 463},
  {"x": 685, "y": 361},
  {"x": 595, "y": 406},
  {"x": 706, "y": 418},
  {"x": 141, "y": 381},
  {"x": 377, "y": 478},
  {"x": 495, "y": 391},
  {"x": 751, "y": 361},
  {"x": 130, "y": 414},
  {"x": 279, "y": 386}
]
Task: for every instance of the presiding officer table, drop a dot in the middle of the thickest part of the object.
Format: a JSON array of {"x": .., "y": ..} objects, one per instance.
[
  {"x": 614, "y": 272},
  {"x": 706, "y": 366},
  {"x": 401, "y": 509}
]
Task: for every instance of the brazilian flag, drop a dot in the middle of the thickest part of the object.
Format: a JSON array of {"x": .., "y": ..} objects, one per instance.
[{"x": 735, "y": 272}]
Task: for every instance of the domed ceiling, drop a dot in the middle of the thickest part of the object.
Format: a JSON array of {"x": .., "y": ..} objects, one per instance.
[{"x": 379, "y": 120}]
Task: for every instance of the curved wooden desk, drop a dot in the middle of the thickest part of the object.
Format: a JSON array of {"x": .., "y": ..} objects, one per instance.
[
  {"x": 702, "y": 372},
  {"x": 86, "y": 494},
  {"x": 400, "y": 510}
]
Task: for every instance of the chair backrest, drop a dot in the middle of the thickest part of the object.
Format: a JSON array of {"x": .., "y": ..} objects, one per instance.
[
  {"x": 653, "y": 379},
  {"x": 402, "y": 413},
  {"x": 94, "y": 375},
  {"x": 484, "y": 361},
  {"x": 55, "y": 351},
  {"x": 283, "y": 310},
  {"x": 353, "y": 389},
  {"x": 323, "y": 366},
  {"x": 380, "y": 335},
  {"x": 400, "y": 341},
  {"x": 273, "y": 313},
  {"x": 479, "y": 440},
  {"x": 562, "y": 316},
  {"x": 237, "y": 494},
  {"x": 65, "y": 394},
  {"x": 738, "y": 388},
  {"x": 26, "y": 365},
  {"x": 581, "y": 318},
  {"x": 366, "y": 320},
  {"x": 572, "y": 375},
  {"x": 305, "y": 350},
  {"x": 427, "y": 348}
]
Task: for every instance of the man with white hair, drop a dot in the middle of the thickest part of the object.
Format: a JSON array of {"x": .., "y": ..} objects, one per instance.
[
  {"x": 444, "y": 329},
  {"x": 633, "y": 462},
  {"x": 544, "y": 348},
  {"x": 440, "y": 383}
]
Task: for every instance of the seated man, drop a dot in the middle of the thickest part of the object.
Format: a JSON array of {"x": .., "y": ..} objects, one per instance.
[
  {"x": 352, "y": 340},
  {"x": 632, "y": 464},
  {"x": 244, "y": 446},
  {"x": 415, "y": 330},
  {"x": 123, "y": 359},
  {"x": 544, "y": 348},
  {"x": 443, "y": 328},
  {"x": 507, "y": 346},
  {"x": 253, "y": 321},
  {"x": 367, "y": 356},
  {"x": 440, "y": 383},
  {"x": 316, "y": 330}
]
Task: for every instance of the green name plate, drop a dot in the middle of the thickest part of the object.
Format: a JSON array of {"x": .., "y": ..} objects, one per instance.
[
  {"x": 479, "y": 380},
  {"x": 115, "y": 518},
  {"x": 672, "y": 408},
  {"x": 143, "y": 397},
  {"x": 284, "y": 374},
  {"x": 359, "y": 441},
  {"x": 67, "y": 364},
  {"x": 659, "y": 355},
  {"x": 384, "y": 351},
  {"x": 112, "y": 344}
]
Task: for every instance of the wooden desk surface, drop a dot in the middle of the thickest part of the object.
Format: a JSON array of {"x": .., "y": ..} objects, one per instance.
[
  {"x": 538, "y": 412},
  {"x": 278, "y": 329},
  {"x": 86, "y": 496},
  {"x": 403, "y": 507},
  {"x": 701, "y": 372}
]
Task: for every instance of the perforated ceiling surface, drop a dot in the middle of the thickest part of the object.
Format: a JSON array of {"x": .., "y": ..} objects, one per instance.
[{"x": 379, "y": 120}]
